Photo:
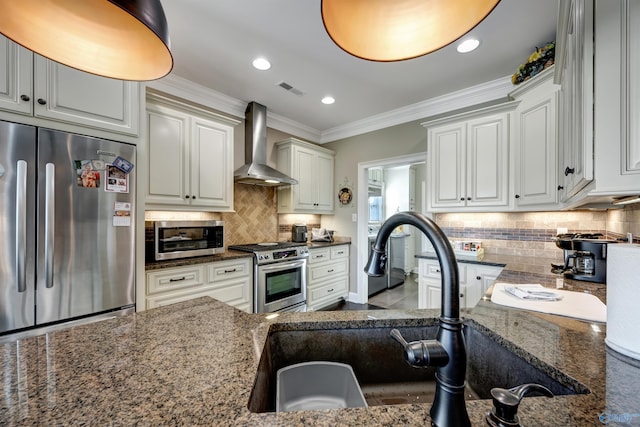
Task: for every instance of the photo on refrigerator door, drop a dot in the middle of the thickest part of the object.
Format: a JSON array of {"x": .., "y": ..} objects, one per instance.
[
  {"x": 116, "y": 181},
  {"x": 87, "y": 174}
]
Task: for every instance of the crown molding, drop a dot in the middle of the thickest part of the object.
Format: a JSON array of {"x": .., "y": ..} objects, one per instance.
[
  {"x": 489, "y": 91},
  {"x": 202, "y": 95},
  {"x": 485, "y": 92},
  {"x": 193, "y": 92}
]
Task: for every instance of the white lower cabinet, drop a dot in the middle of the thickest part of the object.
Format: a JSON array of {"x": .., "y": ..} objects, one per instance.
[
  {"x": 475, "y": 279},
  {"x": 229, "y": 281},
  {"x": 327, "y": 276}
]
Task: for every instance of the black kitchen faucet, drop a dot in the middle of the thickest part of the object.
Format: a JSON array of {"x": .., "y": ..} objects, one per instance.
[{"x": 447, "y": 352}]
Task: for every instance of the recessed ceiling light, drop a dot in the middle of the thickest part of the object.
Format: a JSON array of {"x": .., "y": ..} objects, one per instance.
[
  {"x": 468, "y": 45},
  {"x": 328, "y": 100},
  {"x": 261, "y": 64}
]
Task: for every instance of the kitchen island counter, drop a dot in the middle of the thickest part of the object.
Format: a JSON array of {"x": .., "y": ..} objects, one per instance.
[{"x": 194, "y": 363}]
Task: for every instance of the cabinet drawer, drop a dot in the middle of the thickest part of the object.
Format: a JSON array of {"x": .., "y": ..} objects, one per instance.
[
  {"x": 324, "y": 271},
  {"x": 319, "y": 255},
  {"x": 174, "y": 278},
  {"x": 224, "y": 270},
  {"x": 330, "y": 290},
  {"x": 339, "y": 252},
  {"x": 431, "y": 269}
]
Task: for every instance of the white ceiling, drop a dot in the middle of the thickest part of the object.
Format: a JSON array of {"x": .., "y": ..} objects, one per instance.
[{"x": 214, "y": 42}]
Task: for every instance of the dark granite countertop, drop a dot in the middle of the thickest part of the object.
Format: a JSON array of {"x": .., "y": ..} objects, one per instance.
[
  {"x": 194, "y": 363},
  {"x": 517, "y": 269}
]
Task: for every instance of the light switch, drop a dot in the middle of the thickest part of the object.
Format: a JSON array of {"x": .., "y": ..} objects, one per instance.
[{"x": 354, "y": 217}]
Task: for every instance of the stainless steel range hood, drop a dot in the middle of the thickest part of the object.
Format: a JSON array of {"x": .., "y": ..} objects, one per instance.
[{"x": 255, "y": 170}]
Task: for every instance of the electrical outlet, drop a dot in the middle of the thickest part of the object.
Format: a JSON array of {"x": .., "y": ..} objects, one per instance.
[
  {"x": 354, "y": 217},
  {"x": 559, "y": 283},
  {"x": 562, "y": 230}
]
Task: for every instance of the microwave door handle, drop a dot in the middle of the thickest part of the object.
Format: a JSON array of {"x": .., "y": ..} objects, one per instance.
[
  {"x": 49, "y": 227},
  {"x": 21, "y": 225}
]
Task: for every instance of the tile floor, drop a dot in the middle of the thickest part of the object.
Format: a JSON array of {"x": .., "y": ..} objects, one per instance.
[{"x": 404, "y": 296}]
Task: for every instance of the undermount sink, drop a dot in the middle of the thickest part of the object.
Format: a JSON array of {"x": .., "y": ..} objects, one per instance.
[{"x": 378, "y": 363}]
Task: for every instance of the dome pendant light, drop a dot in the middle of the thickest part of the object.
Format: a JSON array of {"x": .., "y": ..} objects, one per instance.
[
  {"x": 125, "y": 39},
  {"x": 385, "y": 30}
]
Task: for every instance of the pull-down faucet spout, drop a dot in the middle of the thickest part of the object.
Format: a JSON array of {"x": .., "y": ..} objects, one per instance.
[{"x": 447, "y": 352}]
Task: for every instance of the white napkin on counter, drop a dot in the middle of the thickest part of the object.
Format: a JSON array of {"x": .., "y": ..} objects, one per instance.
[
  {"x": 579, "y": 305},
  {"x": 533, "y": 292}
]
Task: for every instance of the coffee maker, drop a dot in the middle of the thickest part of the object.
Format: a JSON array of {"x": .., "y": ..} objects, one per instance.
[
  {"x": 585, "y": 257},
  {"x": 299, "y": 233}
]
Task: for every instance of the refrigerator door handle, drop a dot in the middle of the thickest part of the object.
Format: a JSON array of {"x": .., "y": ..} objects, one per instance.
[
  {"x": 21, "y": 225},
  {"x": 49, "y": 228}
]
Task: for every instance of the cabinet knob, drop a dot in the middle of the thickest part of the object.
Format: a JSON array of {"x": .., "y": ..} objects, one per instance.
[
  {"x": 25, "y": 98},
  {"x": 42, "y": 101},
  {"x": 560, "y": 188},
  {"x": 569, "y": 170},
  {"x": 193, "y": 197},
  {"x": 186, "y": 197},
  {"x": 462, "y": 198},
  {"x": 330, "y": 290},
  {"x": 478, "y": 277},
  {"x": 468, "y": 198},
  {"x": 461, "y": 295},
  {"x": 517, "y": 196}
]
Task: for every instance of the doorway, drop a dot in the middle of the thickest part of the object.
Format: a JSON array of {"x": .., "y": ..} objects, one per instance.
[{"x": 397, "y": 184}]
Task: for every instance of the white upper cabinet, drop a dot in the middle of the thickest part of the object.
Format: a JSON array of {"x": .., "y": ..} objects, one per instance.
[
  {"x": 469, "y": 160},
  {"x": 574, "y": 73},
  {"x": 313, "y": 167},
  {"x": 535, "y": 143},
  {"x": 190, "y": 158},
  {"x": 32, "y": 85},
  {"x": 598, "y": 61}
]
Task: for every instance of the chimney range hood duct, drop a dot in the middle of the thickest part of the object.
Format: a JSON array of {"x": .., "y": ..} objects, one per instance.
[{"x": 255, "y": 170}]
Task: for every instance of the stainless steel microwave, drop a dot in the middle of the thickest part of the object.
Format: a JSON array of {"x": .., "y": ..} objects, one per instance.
[{"x": 185, "y": 239}]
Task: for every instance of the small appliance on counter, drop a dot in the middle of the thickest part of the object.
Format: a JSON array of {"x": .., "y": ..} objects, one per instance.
[
  {"x": 321, "y": 235},
  {"x": 299, "y": 233},
  {"x": 585, "y": 256}
]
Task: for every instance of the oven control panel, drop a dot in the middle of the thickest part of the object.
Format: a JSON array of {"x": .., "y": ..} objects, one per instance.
[{"x": 281, "y": 255}]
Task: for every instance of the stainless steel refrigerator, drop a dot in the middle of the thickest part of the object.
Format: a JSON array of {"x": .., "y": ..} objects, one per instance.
[{"x": 67, "y": 227}]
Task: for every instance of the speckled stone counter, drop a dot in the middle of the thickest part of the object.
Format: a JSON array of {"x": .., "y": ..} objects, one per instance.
[
  {"x": 226, "y": 255},
  {"x": 194, "y": 363}
]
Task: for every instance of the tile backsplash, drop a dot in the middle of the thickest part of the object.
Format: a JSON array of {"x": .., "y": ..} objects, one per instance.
[{"x": 531, "y": 233}]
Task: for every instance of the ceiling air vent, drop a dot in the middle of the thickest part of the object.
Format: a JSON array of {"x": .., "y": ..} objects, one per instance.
[{"x": 286, "y": 86}]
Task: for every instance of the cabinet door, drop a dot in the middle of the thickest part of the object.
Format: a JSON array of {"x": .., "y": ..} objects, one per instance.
[
  {"x": 66, "y": 94},
  {"x": 16, "y": 77},
  {"x": 324, "y": 182},
  {"x": 434, "y": 296},
  {"x": 304, "y": 171},
  {"x": 211, "y": 162},
  {"x": 168, "y": 157},
  {"x": 535, "y": 152},
  {"x": 577, "y": 99},
  {"x": 447, "y": 165},
  {"x": 488, "y": 161}
]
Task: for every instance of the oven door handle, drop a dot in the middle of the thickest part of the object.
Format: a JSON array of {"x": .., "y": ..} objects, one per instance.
[{"x": 283, "y": 266}]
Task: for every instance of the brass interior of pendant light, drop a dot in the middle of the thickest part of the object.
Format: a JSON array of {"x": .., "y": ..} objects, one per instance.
[
  {"x": 126, "y": 40},
  {"x": 395, "y": 30}
]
